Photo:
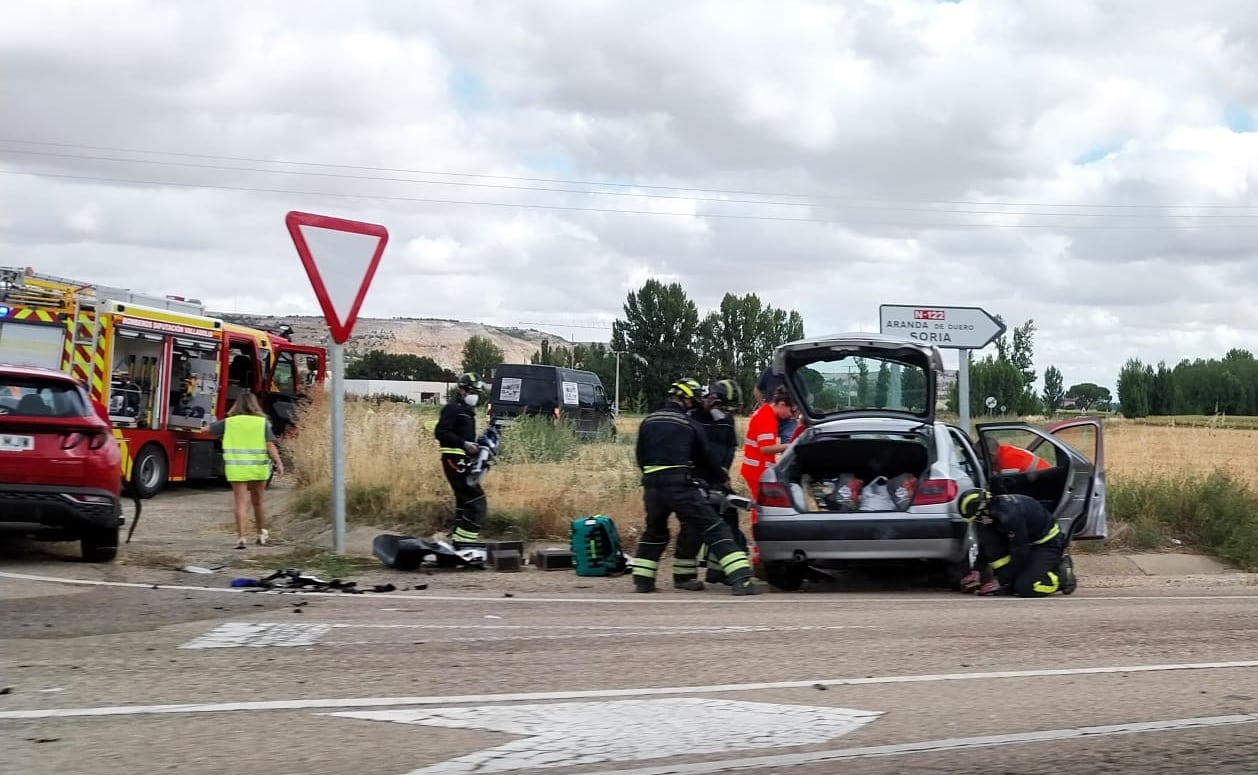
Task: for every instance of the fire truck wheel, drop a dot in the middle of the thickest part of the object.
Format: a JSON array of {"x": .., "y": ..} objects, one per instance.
[{"x": 148, "y": 473}]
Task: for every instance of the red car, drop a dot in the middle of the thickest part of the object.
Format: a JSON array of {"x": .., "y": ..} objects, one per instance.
[{"x": 60, "y": 464}]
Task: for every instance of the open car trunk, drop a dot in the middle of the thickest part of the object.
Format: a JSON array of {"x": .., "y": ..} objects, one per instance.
[{"x": 851, "y": 473}]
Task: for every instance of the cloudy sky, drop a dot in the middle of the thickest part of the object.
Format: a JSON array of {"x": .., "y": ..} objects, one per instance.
[{"x": 1086, "y": 164}]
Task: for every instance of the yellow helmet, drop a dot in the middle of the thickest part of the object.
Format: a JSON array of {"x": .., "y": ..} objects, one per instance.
[
  {"x": 686, "y": 388},
  {"x": 972, "y": 503}
]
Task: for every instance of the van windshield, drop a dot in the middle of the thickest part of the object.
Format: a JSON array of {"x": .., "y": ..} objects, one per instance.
[{"x": 530, "y": 391}]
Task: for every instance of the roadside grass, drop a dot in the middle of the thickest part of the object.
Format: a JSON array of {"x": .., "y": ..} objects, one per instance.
[{"x": 1183, "y": 483}]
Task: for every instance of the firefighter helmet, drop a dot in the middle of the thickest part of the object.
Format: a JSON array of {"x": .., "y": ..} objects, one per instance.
[
  {"x": 686, "y": 388},
  {"x": 972, "y": 503},
  {"x": 469, "y": 382},
  {"x": 726, "y": 392}
]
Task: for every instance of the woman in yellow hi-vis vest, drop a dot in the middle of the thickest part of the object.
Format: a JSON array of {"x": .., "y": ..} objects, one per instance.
[{"x": 248, "y": 452}]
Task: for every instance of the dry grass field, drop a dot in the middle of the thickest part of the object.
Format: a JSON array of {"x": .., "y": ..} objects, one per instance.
[{"x": 1192, "y": 482}]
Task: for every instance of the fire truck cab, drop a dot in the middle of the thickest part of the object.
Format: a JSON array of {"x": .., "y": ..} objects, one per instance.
[{"x": 161, "y": 366}]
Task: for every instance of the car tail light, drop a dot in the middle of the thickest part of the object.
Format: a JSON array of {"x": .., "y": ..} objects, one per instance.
[
  {"x": 489, "y": 411},
  {"x": 933, "y": 492},
  {"x": 94, "y": 439},
  {"x": 774, "y": 495}
]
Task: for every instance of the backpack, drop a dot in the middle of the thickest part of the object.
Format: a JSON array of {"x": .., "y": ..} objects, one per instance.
[{"x": 595, "y": 545}]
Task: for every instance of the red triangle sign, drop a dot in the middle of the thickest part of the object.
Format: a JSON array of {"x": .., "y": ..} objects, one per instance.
[{"x": 340, "y": 258}]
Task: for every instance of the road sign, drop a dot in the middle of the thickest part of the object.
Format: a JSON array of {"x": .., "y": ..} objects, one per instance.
[
  {"x": 952, "y": 328},
  {"x": 587, "y": 733},
  {"x": 340, "y": 258},
  {"x": 990, "y": 403}
]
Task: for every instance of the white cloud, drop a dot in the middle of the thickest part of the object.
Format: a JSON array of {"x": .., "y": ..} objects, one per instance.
[{"x": 1070, "y": 163}]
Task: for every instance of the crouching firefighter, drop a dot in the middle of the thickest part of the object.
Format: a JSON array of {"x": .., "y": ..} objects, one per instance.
[
  {"x": 672, "y": 450},
  {"x": 1022, "y": 542},
  {"x": 716, "y": 414},
  {"x": 456, "y": 433}
]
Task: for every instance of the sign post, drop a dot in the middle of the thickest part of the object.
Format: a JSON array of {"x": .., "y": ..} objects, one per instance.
[
  {"x": 340, "y": 258},
  {"x": 951, "y": 328}
]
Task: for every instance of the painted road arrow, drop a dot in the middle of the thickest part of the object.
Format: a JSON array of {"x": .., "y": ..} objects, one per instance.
[{"x": 575, "y": 733}]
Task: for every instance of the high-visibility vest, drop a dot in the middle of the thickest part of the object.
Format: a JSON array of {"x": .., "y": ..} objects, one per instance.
[
  {"x": 762, "y": 431},
  {"x": 244, "y": 449},
  {"x": 1016, "y": 460}
]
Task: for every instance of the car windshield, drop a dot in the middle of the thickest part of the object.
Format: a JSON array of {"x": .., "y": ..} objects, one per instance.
[
  {"x": 842, "y": 383},
  {"x": 34, "y": 397}
]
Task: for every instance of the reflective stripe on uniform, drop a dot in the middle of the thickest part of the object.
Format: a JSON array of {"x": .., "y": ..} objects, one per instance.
[
  {"x": 1056, "y": 531},
  {"x": 752, "y": 462},
  {"x": 657, "y": 469},
  {"x": 463, "y": 536},
  {"x": 1052, "y": 586},
  {"x": 643, "y": 567},
  {"x": 1001, "y": 562},
  {"x": 453, "y": 451}
]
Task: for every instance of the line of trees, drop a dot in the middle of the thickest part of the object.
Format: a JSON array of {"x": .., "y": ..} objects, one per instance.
[{"x": 1202, "y": 386}]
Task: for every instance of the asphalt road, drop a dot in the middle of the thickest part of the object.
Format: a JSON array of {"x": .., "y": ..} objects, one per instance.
[{"x": 131, "y": 679}]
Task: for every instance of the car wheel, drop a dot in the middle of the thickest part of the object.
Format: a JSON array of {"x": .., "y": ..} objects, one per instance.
[
  {"x": 99, "y": 545},
  {"x": 786, "y": 576},
  {"x": 148, "y": 473}
]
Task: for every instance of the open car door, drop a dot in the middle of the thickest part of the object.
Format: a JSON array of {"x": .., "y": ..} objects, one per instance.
[
  {"x": 295, "y": 372},
  {"x": 1021, "y": 459}
]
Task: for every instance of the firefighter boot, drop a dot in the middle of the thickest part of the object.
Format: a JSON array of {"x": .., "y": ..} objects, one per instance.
[
  {"x": 1066, "y": 573},
  {"x": 744, "y": 587},
  {"x": 687, "y": 583},
  {"x": 643, "y": 584}
]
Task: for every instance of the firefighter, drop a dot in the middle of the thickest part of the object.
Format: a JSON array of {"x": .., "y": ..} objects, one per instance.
[
  {"x": 716, "y": 414},
  {"x": 456, "y": 433},
  {"x": 672, "y": 450},
  {"x": 1022, "y": 542}
]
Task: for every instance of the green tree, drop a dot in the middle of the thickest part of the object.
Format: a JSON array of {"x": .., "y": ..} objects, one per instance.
[
  {"x": 481, "y": 356},
  {"x": 378, "y": 364},
  {"x": 882, "y": 385},
  {"x": 1162, "y": 393},
  {"x": 1022, "y": 354},
  {"x": 1053, "y": 392},
  {"x": 1088, "y": 394},
  {"x": 913, "y": 389},
  {"x": 998, "y": 378},
  {"x": 1135, "y": 383},
  {"x": 660, "y": 327},
  {"x": 862, "y": 383},
  {"x": 737, "y": 339}
]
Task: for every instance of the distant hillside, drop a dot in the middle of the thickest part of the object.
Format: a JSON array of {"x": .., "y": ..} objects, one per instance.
[{"x": 441, "y": 340}]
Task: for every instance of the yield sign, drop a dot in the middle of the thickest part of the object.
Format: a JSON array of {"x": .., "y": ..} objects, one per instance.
[
  {"x": 340, "y": 258},
  {"x": 579, "y": 733}
]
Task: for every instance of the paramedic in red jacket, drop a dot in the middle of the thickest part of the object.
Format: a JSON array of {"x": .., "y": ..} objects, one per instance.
[{"x": 761, "y": 447}]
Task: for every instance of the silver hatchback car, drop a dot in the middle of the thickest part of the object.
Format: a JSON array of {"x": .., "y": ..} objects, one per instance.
[{"x": 875, "y": 476}]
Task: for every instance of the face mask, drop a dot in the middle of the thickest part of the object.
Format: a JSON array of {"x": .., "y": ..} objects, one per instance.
[
  {"x": 717, "y": 414},
  {"x": 471, "y": 399}
]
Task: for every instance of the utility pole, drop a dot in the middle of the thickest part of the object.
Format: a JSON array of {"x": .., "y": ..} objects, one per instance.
[{"x": 617, "y": 401}]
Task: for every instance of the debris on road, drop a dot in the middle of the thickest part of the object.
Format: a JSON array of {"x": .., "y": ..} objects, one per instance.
[{"x": 408, "y": 553}]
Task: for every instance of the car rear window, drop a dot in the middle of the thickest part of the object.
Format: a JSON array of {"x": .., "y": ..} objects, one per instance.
[
  {"x": 34, "y": 397},
  {"x": 529, "y": 391}
]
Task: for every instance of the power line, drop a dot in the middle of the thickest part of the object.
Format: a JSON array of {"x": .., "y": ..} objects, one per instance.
[
  {"x": 562, "y": 325},
  {"x": 614, "y": 184},
  {"x": 622, "y": 211},
  {"x": 675, "y": 197}
]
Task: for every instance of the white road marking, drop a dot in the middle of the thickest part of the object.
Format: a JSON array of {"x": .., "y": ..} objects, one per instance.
[
  {"x": 576, "y": 733},
  {"x": 815, "y": 600},
  {"x": 482, "y": 699},
  {"x": 256, "y": 634},
  {"x": 929, "y": 746}
]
